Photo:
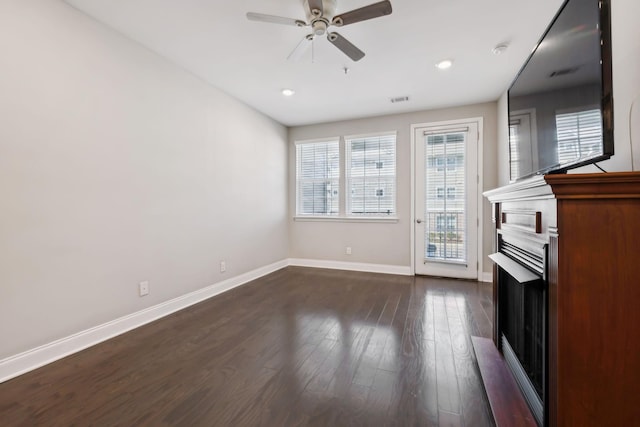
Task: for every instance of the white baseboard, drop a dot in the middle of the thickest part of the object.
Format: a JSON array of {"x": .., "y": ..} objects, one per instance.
[
  {"x": 487, "y": 277},
  {"x": 19, "y": 364},
  {"x": 352, "y": 266},
  {"x": 29, "y": 360}
]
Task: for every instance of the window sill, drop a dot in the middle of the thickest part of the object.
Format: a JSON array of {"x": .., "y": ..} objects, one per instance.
[{"x": 377, "y": 219}]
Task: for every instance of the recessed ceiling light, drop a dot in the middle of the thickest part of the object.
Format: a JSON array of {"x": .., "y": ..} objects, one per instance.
[
  {"x": 443, "y": 65},
  {"x": 288, "y": 92},
  {"x": 499, "y": 49}
]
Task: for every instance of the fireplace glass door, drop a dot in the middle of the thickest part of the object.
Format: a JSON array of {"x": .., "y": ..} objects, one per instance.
[{"x": 523, "y": 337}]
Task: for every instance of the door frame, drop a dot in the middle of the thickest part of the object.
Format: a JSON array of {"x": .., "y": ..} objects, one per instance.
[
  {"x": 533, "y": 136},
  {"x": 457, "y": 122}
]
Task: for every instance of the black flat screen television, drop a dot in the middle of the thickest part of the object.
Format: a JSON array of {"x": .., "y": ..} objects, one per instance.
[{"x": 560, "y": 103}]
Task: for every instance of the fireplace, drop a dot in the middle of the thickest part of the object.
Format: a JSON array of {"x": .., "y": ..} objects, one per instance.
[
  {"x": 566, "y": 246},
  {"x": 521, "y": 317}
]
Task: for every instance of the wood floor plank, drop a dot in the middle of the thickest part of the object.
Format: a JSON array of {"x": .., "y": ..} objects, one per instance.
[
  {"x": 447, "y": 419},
  {"x": 470, "y": 387},
  {"x": 300, "y": 346},
  {"x": 394, "y": 339},
  {"x": 447, "y": 379},
  {"x": 381, "y": 393}
]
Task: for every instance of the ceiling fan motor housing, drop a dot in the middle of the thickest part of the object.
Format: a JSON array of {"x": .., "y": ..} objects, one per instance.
[
  {"x": 321, "y": 14},
  {"x": 328, "y": 11}
]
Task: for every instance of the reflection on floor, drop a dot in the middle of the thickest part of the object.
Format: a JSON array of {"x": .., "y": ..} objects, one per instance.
[{"x": 297, "y": 347}]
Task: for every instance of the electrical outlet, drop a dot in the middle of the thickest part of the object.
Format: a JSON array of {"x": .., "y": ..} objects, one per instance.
[
  {"x": 348, "y": 250},
  {"x": 223, "y": 266},
  {"x": 143, "y": 288}
]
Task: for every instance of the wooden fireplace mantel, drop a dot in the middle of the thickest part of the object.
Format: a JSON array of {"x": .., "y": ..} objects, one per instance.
[{"x": 591, "y": 224}]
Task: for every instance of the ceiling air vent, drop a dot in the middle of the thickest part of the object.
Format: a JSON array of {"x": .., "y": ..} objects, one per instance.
[
  {"x": 563, "y": 72},
  {"x": 399, "y": 99}
]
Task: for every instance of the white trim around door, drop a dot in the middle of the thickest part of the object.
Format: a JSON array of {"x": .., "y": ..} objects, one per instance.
[{"x": 476, "y": 121}]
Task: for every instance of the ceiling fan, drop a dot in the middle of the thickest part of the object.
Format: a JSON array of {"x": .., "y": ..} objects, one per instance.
[{"x": 320, "y": 16}]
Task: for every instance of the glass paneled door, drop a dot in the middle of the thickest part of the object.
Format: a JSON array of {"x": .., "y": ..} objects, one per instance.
[{"x": 446, "y": 200}]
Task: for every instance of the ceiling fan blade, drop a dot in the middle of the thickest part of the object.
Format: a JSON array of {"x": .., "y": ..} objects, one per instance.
[
  {"x": 315, "y": 5},
  {"x": 300, "y": 49},
  {"x": 345, "y": 46},
  {"x": 271, "y": 19},
  {"x": 368, "y": 12}
]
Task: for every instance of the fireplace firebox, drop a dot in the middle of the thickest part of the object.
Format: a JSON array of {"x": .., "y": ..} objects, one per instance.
[{"x": 521, "y": 333}]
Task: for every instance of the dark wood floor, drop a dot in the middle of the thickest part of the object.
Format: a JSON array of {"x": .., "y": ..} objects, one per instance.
[{"x": 297, "y": 347}]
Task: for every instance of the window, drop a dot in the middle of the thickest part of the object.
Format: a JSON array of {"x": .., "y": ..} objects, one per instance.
[
  {"x": 445, "y": 189},
  {"x": 452, "y": 222},
  {"x": 439, "y": 161},
  {"x": 451, "y": 163},
  {"x": 367, "y": 191},
  {"x": 318, "y": 178},
  {"x": 371, "y": 175},
  {"x": 451, "y": 193},
  {"x": 514, "y": 150},
  {"x": 579, "y": 135}
]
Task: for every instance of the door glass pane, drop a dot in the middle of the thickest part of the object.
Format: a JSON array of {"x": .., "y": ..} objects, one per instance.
[{"x": 445, "y": 209}]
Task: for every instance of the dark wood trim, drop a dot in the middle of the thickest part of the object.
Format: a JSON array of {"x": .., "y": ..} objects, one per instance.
[
  {"x": 496, "y": 318},
  {"x": 552, "y": 332},
  {"x": 615, "y": 185},
  {"x": 507, "y": 404}
]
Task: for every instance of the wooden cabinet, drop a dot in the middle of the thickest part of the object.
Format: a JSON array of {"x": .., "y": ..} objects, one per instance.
[{"x": 590, "y": 224}]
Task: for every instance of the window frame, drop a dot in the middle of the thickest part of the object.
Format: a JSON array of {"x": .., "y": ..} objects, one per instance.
[
  {"x": 348, "y": 139},
  {"x": 343, "y": 215},
  {"x": 298, "y": 201}
]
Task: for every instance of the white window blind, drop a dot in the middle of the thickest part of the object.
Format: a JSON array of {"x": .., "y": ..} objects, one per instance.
[
  {"x": 371, "y": 175},
  {"x": 514, "y": 149},
  {"x": 318, "y": 178},
  {"x": 445, "y": 209},
  {"x": 579, "y": 135}
]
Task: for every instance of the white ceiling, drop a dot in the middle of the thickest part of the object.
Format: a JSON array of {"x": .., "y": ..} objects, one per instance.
[{"x": 214, "y": 40}]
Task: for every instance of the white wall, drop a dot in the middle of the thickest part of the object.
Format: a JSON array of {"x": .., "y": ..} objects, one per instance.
[
  {"x": 625, "y": 37},
  {"x": 116, "y": 167},
  {"x": 383, "y": 243}
]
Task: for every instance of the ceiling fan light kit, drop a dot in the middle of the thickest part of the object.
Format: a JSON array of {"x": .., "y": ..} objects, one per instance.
[
  {"x": 319, "y": 27},
  {"x": 320, "y": 16}
]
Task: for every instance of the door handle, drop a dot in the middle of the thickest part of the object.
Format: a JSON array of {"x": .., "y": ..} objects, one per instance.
[{"x": 419, "y": 221}]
